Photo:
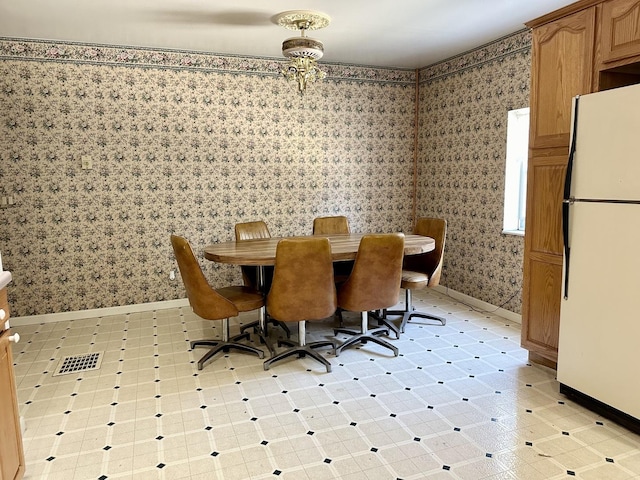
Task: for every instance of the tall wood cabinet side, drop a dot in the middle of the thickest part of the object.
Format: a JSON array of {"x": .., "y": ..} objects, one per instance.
[
  {"x": 562, "y": 67},
  {"x": 12, "y": 465}
]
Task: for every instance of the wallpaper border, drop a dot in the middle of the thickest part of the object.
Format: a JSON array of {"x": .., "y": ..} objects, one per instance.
[
  {"x": 503, "y": 47},
  {"x": 149, "y": 57}
]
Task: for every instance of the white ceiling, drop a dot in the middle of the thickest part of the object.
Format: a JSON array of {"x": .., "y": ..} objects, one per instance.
[{"x": 391, "y": 33}]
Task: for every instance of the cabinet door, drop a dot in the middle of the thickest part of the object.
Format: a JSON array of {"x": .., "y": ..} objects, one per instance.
[
  {"x": 562, "y": 66},
  {"x": 620, "y": 29},
  {"x": 543, "y": 253},
  {"x": 11, "y": 453}
]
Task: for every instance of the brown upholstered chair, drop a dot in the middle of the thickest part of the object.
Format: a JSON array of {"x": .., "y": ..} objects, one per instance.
[
  {"x": 250, "y": 231},
  {"x": 214, "y": 304},
  {"x": 303, "y": 289},
  {"x": 335, "y": 226},
  {"x": 423, "y": 270},
  {"x": 374, "y": 284},
  {"x": 330, "y": 225}
]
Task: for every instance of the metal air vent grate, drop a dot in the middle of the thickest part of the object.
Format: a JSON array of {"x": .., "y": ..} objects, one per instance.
[{"x": 79, "y": 363}]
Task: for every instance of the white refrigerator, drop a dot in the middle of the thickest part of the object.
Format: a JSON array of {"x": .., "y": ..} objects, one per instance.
[{"x": 599, "y": 344}]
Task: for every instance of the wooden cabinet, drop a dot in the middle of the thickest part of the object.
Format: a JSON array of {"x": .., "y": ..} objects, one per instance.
[
  {"x": 562, "y": 57},
  {"x": 620, "y": 29},
  {"x": 587, "y": 46},
  {"x": 11, "y": 453}
]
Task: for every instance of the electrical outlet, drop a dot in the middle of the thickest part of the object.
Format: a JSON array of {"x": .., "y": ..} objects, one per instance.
[
  {"x": 172, "y": 275},
  {"x": 87, "y": 162}
]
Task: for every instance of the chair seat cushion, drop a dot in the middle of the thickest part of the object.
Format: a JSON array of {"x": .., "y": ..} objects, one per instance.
[
  {"x": 245, "y": 298},
  {"x": 413, "y": 280}
]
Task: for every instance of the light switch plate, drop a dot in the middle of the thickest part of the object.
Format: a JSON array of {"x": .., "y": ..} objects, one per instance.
[{"x": 87, "y": 162}]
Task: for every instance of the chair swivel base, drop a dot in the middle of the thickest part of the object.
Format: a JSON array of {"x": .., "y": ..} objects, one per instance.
[
  {"x": 256, "y": 326},
  {"x": 302, "y": 351},
  {"x": 369, "y": 336},
  {"x": 224, "y": 346},
  {"x": 407, "y": 316}
]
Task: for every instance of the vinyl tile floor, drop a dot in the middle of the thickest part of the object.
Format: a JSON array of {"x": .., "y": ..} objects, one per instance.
[{"x": 459, "y": 402}]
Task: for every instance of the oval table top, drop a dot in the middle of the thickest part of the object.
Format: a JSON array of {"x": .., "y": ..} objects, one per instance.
[{"x": 262, "y": 251}]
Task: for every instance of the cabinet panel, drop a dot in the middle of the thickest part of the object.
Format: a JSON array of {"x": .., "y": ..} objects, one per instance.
[
  {"x": 620, "y": 29},
  {"x": 540, "y": 323},
  {"x": 544, "y": 204},
  {"x": 11, "y": 454},
  {"x": 562, "y": 66}
]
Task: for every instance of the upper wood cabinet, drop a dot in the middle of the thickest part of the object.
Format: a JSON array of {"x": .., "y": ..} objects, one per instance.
[
  {"x": 562, "y": 57},
  {"x": 620, "y": 29}
]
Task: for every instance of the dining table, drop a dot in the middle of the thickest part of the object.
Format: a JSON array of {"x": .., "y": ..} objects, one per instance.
[{"x": 261, "y": 252}]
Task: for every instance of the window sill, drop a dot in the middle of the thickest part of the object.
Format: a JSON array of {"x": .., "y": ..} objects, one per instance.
[{"x": 517, "y": 233}]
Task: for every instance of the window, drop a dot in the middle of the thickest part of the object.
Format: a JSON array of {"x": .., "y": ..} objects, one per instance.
[{"x": 515, "y": 184}]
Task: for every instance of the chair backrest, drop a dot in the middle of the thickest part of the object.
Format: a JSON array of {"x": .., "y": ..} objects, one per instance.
[
  {"x": 374, "y": 282},
  {"x": 303, "y": 287},
  {"x": 251, "y": 230},
  {"x": 430, "y": 262},
  {"x": 205, "y": 301},
  {"x": 330, "y": 225}
]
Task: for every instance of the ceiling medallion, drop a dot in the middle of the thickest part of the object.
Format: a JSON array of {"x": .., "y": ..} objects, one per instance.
[{"x": 302, "y": 51}]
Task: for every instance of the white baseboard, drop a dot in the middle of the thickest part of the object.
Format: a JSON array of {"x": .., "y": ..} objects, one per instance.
[
  {"x": 479, "y": 304},
  {"x": 183, "y": 302},
  {"x": 97, "y": 312}
]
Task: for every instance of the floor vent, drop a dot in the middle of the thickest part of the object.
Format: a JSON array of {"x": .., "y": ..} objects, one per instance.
[{"x": 79, "y": 363}]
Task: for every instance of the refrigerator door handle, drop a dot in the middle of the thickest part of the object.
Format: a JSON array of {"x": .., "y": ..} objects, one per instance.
[
  {"x": 567, "y": 201},
  {"x": 567, "y": 250}
]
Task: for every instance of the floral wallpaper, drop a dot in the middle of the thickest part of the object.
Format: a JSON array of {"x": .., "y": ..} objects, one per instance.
[
  {"x": 193, "y": 143},
  {"x": 462, "y": 110},
  {"x": 182, "y": 142}
]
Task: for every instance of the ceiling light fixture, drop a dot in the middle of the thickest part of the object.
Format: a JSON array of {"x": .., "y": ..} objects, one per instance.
[{"x": 303, "y": 52}]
